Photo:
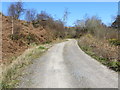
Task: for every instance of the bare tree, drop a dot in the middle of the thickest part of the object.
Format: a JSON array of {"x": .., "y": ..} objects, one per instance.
[
  {"x": 80, "y": 23},
  {"x": 43, "y": 16},
  {"x": 65, "y": 16},
  {"x": 19, "y": 9},
  {"x": 14, "y": 11},
  {"x": 92, "y": 24},
  {"x": 44, "y": 19},
  {"x": 30, "y": 15},
  {"x": 11, "y": 12},
  {"x": 80, "y": 27}
]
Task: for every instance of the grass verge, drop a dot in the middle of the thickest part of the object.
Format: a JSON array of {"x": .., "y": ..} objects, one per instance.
[{"x": 11, "y": 72}]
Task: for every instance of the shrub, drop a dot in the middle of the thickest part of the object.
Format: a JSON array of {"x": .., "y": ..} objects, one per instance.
[
  {"x": 30, "y": 38},
  {"x": 114, "y": 42},
  {"x": 14, "y": 37},
  {"x": 71, "y": 33},
  {"x": 35, "y": 24},
  {"x": 41, "y": 47},
  {"x": 56, "y": 27},
  {"x": 101, "y": 50}
]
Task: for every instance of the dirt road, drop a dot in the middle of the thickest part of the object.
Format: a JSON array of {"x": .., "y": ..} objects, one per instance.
[{"x": 65, "y": 65}]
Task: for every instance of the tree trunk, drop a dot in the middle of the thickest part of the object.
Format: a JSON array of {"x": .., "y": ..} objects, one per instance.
[{"x": 12, "y": 26}]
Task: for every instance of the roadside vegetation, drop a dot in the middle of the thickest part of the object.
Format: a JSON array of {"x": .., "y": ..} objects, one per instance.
[
  {"x": 101, "y": 42},
  {"x": 98, "y": 40},
  {"x": 25, "y": 40},
  {"x": 12, "y": 71}
]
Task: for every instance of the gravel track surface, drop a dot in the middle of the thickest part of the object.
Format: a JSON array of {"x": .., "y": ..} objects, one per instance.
[{"x": 65, "y": 65}]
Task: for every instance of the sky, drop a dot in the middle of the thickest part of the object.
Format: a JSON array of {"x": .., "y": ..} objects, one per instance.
[
  {"x": 119, "y": 8},
  {"x": 106, "y": 11}
]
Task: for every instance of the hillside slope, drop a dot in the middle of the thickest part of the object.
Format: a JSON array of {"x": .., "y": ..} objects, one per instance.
[{"x": 25, "y": 34}]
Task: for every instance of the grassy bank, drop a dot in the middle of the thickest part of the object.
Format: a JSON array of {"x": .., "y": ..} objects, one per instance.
[
  {"x": 100, "y": 50},
  {"x": 12, "y": 71}
]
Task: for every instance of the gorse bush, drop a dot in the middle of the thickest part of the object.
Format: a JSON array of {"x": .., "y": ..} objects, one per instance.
[
  {"x": 14, "y": 37},
  {"x": 31, "y": 38},
  {"x": 114, "y": 41},
  {"x": 101, "y": 50}
]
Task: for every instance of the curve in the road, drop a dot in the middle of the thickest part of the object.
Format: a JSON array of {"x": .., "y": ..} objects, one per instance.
[{"x": 65, "y": 65}]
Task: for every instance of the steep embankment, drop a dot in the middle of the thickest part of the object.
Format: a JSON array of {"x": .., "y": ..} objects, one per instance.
[{"x": 25, "y": 34}]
